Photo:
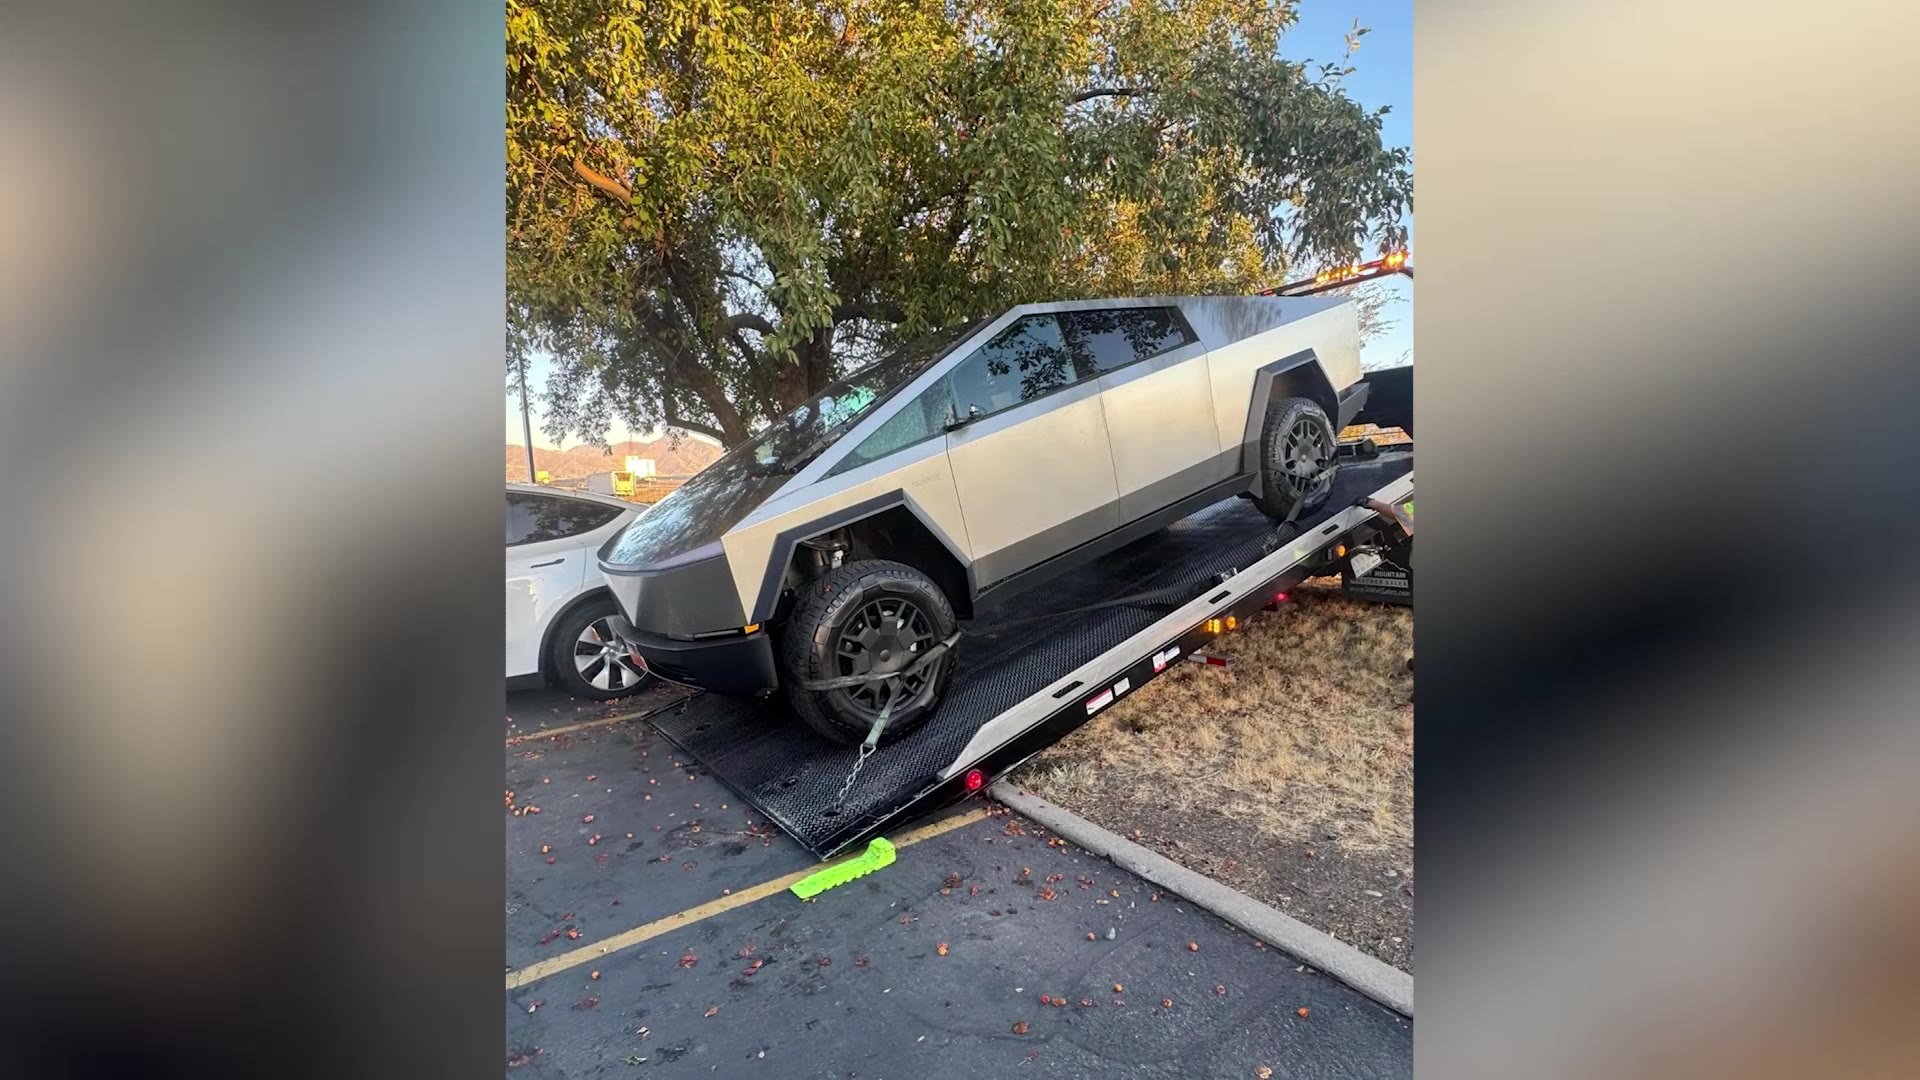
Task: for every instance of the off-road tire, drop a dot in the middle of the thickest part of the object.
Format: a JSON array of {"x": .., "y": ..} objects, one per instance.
[
  {"x": 1276, "y": 500},
  {"x": 823, "y": 611}
]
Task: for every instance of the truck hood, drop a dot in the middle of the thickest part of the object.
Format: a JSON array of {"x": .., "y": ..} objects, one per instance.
[{"x": 687, "y": 525}]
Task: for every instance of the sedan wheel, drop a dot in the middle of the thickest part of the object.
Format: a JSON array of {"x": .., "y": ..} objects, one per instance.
[
  {"x": 603, "y": 663},
  {"x": 585, "y": 657}
]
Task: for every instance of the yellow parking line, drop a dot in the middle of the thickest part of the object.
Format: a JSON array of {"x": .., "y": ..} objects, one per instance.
[
  {"x": 602, "y": 722},
  {"x": 739, "y": 897}
]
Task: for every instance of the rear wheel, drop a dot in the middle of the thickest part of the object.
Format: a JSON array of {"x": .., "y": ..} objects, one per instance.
[
  {"x": 1296, "y": 447},
  {"x": 868, "y": 618},
  {"x": 587, "y": 660}
]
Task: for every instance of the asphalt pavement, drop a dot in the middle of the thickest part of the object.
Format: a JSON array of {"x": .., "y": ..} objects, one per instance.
[{"x": 649, "y": 933}]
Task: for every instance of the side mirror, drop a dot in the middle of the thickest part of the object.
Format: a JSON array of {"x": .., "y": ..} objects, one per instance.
[{"x": 955, "y": 421}]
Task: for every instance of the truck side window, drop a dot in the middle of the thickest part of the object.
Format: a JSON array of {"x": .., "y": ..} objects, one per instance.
[
  {"x": 1022, "y": 362},
  {"x": 917, "y": 421},
  {"x": 1111, "y": 338}
]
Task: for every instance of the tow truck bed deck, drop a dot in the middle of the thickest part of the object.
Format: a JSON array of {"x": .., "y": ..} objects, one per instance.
[{"x": 1031, "y": 667}]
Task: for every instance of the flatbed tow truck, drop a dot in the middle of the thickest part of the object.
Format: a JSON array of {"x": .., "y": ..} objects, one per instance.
[{"x": 1034, "y": 665}]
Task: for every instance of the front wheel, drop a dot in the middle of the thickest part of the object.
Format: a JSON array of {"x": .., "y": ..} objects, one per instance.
[
  {"x": 1296, "y": 449},
  {"x": 868, "y": 618}
]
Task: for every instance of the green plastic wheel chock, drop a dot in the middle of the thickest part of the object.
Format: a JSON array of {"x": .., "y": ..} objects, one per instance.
[{"x": 878, "y": 856}]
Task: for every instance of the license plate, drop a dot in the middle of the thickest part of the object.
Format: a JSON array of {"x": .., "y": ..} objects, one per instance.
[{"x": 1364, "y": 563}]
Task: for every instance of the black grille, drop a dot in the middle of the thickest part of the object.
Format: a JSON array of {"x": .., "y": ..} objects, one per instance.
[{"x": 1010, "y": 651}]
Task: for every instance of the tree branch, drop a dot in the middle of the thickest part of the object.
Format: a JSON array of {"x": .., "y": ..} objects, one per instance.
[
  {"x": 873, "y": 311},
  {"x": 746, "y": 350},
  {"x": 1110, "y": 91},
  {"x": 601, "y": 182},
  {"x": 747, "y": 320},
  {"x": 674, "y": 419}
]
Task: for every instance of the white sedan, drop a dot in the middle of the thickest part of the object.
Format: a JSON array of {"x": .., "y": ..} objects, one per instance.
[{"x": 557, "y": 601}]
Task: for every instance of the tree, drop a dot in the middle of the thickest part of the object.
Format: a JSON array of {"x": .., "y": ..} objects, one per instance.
[{"x": 713, "y": 207}]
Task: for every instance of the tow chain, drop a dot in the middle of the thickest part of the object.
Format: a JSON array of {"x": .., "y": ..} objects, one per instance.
[
  {"x": 866, "y": 751},
  {"x": 879, "y": 728}
]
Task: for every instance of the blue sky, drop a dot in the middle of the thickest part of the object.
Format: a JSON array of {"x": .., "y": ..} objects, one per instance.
[{"x": 1383, "y": 76}]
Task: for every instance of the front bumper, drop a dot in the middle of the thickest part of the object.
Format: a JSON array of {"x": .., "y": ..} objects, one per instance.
[{"x": 737, "y": 665}]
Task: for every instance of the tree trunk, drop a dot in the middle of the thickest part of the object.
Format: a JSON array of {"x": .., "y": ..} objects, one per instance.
[
  {"x": 792, "y": 387},
  {"x": 707, "y": 388},
  {"x": 816, "y": 361}
]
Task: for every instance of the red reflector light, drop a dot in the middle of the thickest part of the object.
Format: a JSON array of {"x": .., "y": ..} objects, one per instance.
[
  {"x": 1279, "y": 598},
  {"x": 975, "y": 779}
]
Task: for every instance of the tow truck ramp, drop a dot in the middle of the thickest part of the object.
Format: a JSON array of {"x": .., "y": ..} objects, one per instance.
[{"x": 1037, "y": 664}]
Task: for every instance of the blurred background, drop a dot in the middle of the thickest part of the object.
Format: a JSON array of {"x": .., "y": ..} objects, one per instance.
[
  {"x": 251, "y": 334},
  {"x": 1665, "y": 806},
  {"x": 250, "y": 341}
]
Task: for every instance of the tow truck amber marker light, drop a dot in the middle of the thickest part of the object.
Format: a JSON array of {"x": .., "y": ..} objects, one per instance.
[{"x": 750, "y": 628}]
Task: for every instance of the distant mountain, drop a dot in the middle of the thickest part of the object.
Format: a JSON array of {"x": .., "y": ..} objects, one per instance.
[{"x": 685, "y": 457}]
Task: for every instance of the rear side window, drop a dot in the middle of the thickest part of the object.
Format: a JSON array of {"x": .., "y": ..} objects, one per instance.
[
  {"x": 533, "y": 518},
  {"x": 1105, "y": 339}
]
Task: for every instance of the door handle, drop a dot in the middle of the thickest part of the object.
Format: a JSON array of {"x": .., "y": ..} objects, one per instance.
[{"x": 555, "y": 562}]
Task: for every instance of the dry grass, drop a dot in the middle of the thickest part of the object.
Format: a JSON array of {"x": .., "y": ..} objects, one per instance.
[
  {"x": 1311, "y": 729},
  {"x": 1381, "y": 436}
]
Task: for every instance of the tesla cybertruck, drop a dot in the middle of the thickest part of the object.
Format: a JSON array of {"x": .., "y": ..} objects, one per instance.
[{"x": 833, "y": 555}]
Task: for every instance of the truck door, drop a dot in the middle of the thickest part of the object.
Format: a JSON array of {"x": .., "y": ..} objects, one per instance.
[
  {"x": 1157, "y": 400},
  {"x": 1032, "y": 463}
]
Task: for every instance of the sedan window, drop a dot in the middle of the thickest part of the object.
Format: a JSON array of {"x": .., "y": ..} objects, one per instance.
[{"x": 534, "y": 518}]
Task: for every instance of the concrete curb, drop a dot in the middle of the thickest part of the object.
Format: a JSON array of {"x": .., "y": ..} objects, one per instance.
[{"x": 1383, "y": 983}]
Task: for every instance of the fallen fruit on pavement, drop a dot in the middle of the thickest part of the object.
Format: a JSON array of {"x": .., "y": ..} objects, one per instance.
[
  {"x": 689, "y": 960},
  {"x": 1118, "y": 989},
  {"x": 1263, "y": 1073},
  {"x": 549, "y": 860},
  {"x": 544, "y": 849},
  {"x": 1089, "y": 935},
  {"x": 1193, "y": 946},
  {"x": 1086, "y": 1003},
  {"x": 1220, "y": 990},
  {"x": 1020, "y": 1028},
  {"x": 712, "y": 1009},
  {"x": 941, "y": 948},
  {"x": 1302, "y": 1010},
  {"x": 572, "y": 934},
  {"x": 588, "y": 819},
  {"x": 593, "y": 975},
  {"x": 1046, "y": 999},
  {"x": 1166, "y": 1003}
]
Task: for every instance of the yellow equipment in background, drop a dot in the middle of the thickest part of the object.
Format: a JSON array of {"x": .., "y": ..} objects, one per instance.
[
  {"x": 623, "y": 484},
  {"x": 543, "y": 477}
]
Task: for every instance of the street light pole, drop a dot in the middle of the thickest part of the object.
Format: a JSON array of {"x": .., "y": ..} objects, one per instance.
[{"x": 526, "y": 422}]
